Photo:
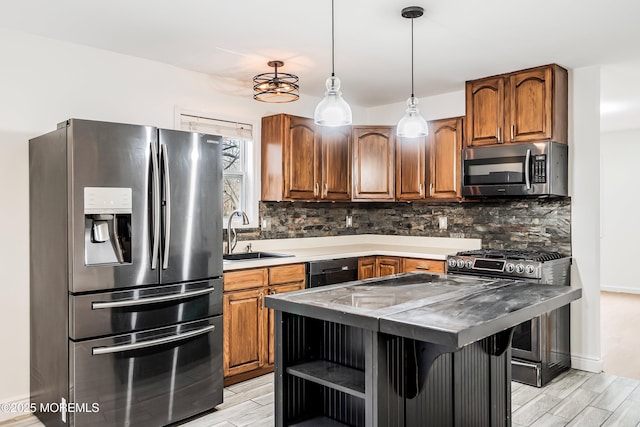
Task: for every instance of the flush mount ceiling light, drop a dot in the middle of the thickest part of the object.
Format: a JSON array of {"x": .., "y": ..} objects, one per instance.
[
  {"x": 275, "y": 87},
  {"x": 412, "y": 124},
  {"x": 333, "y": 110}
]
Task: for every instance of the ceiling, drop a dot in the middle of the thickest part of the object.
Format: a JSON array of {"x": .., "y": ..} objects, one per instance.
[{"x": 455, "y": 41}]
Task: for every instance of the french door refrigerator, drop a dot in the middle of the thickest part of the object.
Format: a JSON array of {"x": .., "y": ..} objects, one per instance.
[{"x": 126, "y": 274}]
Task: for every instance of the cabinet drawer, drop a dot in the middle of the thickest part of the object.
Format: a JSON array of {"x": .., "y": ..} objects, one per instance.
[
  {"x": 286, "y": 274},
  {"x": 423, "y": 265},
  {"x": 245, "y": 279}
]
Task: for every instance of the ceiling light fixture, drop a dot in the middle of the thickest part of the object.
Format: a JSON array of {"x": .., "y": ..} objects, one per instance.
[
  {"x": 275, "y": 87},
  {"x": 333, "y": 110},
  {"x": 412, "y": 124}
]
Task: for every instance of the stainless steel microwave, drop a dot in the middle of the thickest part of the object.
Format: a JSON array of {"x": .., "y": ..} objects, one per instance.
[{"x": 536, "y": 169}]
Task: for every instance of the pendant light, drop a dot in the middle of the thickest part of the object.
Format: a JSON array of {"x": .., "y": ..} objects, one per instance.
[
  {"x": 274, "y": 87},
  {"x": 333, "y": 110},
  {"x": 412, "y": 124}
]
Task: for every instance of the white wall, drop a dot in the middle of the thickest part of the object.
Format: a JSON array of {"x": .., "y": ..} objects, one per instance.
[
  {"x": 619, "y": 208},
  {"x": 44, "y": 82},
  {"x": 584, "y": 188},
  {"x": 431, "y": 108}
]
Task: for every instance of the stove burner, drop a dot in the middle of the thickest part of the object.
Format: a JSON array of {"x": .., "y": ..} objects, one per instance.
[{"x": 513, "y": 254}]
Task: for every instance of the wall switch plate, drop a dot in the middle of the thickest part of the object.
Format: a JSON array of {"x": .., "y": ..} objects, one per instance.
[
  {"x": 265, "y": 224},
  {"x": 349, "y": 221},
  {"x": 442, "y": 223}
]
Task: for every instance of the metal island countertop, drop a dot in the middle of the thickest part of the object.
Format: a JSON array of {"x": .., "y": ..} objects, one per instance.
[{"x": 441, "y": 309}]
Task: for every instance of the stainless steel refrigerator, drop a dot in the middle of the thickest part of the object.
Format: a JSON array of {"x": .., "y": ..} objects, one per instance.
[{"x": 126, "y": 274}]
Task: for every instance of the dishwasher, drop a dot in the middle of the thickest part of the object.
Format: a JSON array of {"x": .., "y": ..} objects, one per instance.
[{"x": 332, "y": 271}]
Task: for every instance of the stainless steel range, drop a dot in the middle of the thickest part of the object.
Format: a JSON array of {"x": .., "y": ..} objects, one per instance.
[{"x": 541, "y": 346}]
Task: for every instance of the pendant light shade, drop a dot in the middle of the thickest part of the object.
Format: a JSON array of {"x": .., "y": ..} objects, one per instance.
[
  {"x": 275, "y": 87},
  {"x": 333, "y": 110},
  {"x": 412, "y": 124}
]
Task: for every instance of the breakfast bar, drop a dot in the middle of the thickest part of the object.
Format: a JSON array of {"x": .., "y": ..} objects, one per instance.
[{"x": 402, "y": 350}]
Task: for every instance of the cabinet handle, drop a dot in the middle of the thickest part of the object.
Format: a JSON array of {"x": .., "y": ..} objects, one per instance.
[
  {"x": 326, "y": 189},
  {"x": 430, "y": 189},
  {"x": 499, "y": 135},
  {"x": 420, "y": 187},
  {"x": 513, "y": 131},
  {"x": 422, "y": 267},
  {"x": 315, "y": 190}
]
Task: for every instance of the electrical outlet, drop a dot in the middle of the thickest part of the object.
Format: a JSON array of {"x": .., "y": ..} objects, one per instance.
[
  {"x": 442, "y": 222},
  {"x": 349, "y": 221},
  {"x": 265, "y": 224}
]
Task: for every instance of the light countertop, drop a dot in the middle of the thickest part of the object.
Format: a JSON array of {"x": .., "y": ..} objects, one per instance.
[{"x": 321, "y": 248}]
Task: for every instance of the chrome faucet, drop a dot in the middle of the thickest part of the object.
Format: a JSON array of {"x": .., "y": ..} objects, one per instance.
[{"x": 232, "y": 242}]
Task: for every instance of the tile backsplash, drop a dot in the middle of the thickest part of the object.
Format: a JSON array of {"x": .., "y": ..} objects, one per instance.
[{"x": 511, "y": 224}]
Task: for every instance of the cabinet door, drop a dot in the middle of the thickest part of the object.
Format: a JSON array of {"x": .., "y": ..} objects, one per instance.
[
  {"x": 411, "y": 162},
  {"x": 301, "y": 159},
  {"x": 373, "y": 158},
  {"x": 386, "y": 266},
  {"x": 530, "y": 105},
  {"x": 279, "y": 289},
  {"x": 445, "y": 146},
  {"x": 244, "y": 331},
  {"x": 336, "y": 163},
  {"x": 485, "y": 112},
  {"x": 422, "y": 265},
  {"x": 366, "y": 267}
]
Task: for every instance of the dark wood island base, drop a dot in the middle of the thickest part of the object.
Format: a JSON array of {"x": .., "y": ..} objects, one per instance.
[
  {"x": 328, "y": 374},
  {"x": 410, "y": 350}
]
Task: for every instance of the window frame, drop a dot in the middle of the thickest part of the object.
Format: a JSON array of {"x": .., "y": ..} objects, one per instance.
[{"x": 249, "y": 156}]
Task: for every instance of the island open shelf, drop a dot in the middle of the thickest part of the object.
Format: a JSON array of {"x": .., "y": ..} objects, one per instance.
[{"x": 402, "y": 350}]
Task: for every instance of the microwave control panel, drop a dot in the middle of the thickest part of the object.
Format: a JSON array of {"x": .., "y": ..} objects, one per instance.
[{"x": 540, "y": 168}]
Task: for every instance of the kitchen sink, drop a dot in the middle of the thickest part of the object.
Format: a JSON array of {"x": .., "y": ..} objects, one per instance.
[{"x": 248, "y": 256}]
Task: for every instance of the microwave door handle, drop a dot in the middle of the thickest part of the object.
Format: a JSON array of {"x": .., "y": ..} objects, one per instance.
[
  {"x": 167, "y": 206},
  {"x": 527, "y": 169},
  {"x": 155, "y": 194}
]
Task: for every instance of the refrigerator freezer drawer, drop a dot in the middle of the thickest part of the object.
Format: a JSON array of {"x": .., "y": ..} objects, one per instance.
[
  {"x": 154, "y": 377},
  {"x": 118, "y": 312}
]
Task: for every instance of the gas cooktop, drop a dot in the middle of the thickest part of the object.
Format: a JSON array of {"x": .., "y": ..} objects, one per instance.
[{"x": 513, "y": 254}]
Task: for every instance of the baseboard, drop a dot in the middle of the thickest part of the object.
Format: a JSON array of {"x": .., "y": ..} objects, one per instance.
[
  {"x": 588, "y": 364},
  {"x": 14, "y": 408},
  {"x": 621, "y": 289}
]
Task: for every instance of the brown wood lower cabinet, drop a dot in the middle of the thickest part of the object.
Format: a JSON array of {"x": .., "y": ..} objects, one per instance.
[
  {"x": 377, "y": 266},
  {"x": 248, "y": 326},
  {"x": 422, "y": 265}
]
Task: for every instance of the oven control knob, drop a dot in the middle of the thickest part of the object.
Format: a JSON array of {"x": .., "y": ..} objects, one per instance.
[
  {"x": 530, "y": 269},
  {"x": 468, "y": 264},
  {"x": 519, "y": 268},
  {"x": 460, "y": 263},
  {"x": 452, "y": 262},
  {"x": 509, "y": 267}
]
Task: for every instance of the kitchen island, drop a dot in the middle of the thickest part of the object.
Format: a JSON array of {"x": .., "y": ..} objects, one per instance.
[{"x": 412, "y": 349}]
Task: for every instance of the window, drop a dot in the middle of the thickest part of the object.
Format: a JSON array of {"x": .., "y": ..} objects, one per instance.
[{"x": 237, "y": 160}]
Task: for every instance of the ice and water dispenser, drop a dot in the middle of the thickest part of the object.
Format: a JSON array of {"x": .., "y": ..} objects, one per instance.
[{"x": 107, "y": 225}]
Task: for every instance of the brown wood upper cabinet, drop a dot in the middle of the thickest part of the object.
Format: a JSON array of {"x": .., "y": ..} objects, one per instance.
[
  {"x": 373, "y": 163},
  {"x": 524, "y": 106},
  {"x": 430, "y": 170},
  {"x": 301, "y": 161},
  {"x": 444, "y": 148}
]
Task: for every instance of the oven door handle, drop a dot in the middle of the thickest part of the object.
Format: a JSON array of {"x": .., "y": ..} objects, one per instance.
[
  {"x": 527, "y": 169},
  {"x": 151, "y": 343},
  {"x": 96, "y": 305}
]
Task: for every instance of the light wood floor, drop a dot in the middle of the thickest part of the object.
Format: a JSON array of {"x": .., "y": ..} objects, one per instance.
[
  {"x": 620, "y": 325},
  {"x": 575, "y": 398}
]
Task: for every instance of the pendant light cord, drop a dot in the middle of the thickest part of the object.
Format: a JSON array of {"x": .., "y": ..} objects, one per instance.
[
  {"x": 412, "y": 94},
  {"x": 333, "y": 49}
]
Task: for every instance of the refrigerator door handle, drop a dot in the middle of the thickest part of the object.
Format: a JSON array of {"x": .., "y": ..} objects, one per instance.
[
  {"x": 151, "y": 343},
  {"x": 167, "y": 206},
  {"x": 156, "y": 205},
  {"x": 96, "y": 305}
]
